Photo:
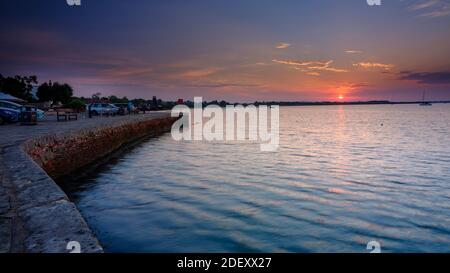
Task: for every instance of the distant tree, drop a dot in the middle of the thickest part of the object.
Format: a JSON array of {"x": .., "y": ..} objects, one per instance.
[
  {"x": 45, "y": 92},
  {"x": 114, "y": 99},
  {"x": 82, "y": 99},
  {"x": 18, "y": 86},
  {"x": 63, "y": 92},
  {"x": 77, "y": 104},
  {"x": 96, "y": 96},
  {"x": 138, "y": 102},
  {"x": 55, "y": 92}
]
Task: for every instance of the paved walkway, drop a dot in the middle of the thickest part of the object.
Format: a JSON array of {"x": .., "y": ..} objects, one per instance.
[
  {"x": 30, "y": 200},
  {"x": 16, "y": 134}
]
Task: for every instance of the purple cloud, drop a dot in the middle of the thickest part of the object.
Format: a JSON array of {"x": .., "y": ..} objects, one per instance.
[{"x": 441, "y": 77}]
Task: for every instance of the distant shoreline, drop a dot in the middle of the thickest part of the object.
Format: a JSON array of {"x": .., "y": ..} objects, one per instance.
[
  {"x": 346, "y": 103},
  {"x": 324, "y": 103}
]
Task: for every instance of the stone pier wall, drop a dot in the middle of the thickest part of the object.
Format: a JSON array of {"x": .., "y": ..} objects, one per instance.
[{"x": 62, "y": 156}]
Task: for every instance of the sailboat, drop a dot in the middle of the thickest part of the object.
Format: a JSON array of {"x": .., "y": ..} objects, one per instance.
[{"x": 425, "y": 103}]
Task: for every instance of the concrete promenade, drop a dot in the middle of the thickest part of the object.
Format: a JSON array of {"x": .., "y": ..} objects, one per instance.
[{"x": 35, "y": 214}]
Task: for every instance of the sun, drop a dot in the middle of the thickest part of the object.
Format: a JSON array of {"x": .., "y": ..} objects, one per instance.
[{"x": 341, "y": 97}]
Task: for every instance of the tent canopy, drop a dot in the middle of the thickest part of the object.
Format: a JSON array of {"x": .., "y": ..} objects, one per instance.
[{"x": 4, "y": 96}]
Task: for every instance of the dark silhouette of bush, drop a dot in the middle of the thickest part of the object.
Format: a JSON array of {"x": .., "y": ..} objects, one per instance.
[
  {"x": 77, "y": 104},
  {"x": 55, "y": 92},
  {"x": 18, "y": 86}
]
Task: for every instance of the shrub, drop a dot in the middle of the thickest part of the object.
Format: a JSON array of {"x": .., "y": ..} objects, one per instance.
[{"x": 77, "y": 104}]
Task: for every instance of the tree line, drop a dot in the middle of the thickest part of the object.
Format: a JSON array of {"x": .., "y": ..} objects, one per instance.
[
  {"x": 57, "y": 93},
  {"x": 22, "y": 87}
]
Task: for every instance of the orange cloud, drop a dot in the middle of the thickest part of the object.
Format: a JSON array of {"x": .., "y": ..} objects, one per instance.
[
  {"x": 311, "y": 66},
  {"x": 313, "y": 73},
  {"x": 283, "y": 45},
  {"x": 326, "y": 67},
  {"x": 198, "y": 73},
  {"x": 353, "y": 52},
  {"x": 368, "y": 65},
  {"x": 297, "y": 63}
]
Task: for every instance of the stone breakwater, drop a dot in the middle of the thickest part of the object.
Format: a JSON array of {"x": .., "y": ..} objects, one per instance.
[
  {"x": 60, "y": 156},
  {"x": 35, "y": 214}
]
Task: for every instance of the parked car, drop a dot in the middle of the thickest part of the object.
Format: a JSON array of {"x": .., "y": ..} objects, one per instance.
[
  {"x": 103, "y": 109},
  {"x": 8, "y": 115},
  {"x": 144, "y": 108},
  {"x": 126, "y": 108},
  {"x": 123, "y": 108},
  {"x": 17, "y": 107}
]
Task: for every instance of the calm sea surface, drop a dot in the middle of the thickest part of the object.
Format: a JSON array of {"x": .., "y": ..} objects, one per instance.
[{"x": 343, "y": 176}]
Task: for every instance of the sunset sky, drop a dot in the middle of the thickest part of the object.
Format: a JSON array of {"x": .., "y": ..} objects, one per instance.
[{"x": 237, "y": 50}]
